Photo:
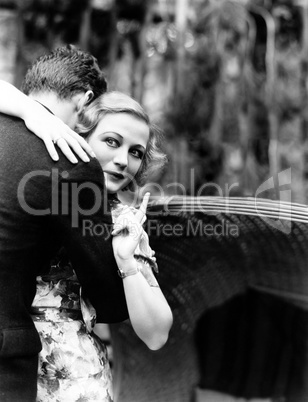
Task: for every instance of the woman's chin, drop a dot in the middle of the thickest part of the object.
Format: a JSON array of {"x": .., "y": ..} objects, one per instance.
[{"x": 113, "y": 188}]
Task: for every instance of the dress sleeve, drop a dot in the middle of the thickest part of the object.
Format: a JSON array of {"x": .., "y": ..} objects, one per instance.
[
  {"x": 145, "y": 256},
  {"x": 147, "y": 271},
  {"x": 88, "y": 311}
]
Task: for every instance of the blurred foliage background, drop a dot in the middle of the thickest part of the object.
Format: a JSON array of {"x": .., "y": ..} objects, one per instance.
[{"x": 226, "y": 80}]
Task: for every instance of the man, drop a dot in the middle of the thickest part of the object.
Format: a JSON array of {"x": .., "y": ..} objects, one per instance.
[{"x": 43, "y": 205}]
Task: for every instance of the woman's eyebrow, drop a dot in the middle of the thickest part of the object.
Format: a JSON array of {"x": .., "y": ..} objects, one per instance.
[
  {"x": 112, "y": 132},
  {"x": 140, "y": 146}
]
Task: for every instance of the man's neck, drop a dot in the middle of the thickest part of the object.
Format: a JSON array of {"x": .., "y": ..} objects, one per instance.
[
  {"x": 50, "y": 100},
  {"x": 65, "y": 109}
]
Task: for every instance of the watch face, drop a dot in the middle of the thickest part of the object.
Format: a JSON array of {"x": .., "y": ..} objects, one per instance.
[{"x": 121, "y": 273}]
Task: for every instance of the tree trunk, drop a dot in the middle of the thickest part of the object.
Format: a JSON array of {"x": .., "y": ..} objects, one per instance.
[
  {"x": 181, "y": 23},
  {"x": 304, "y": 74},
  {"x": 85, "y": 30},
  {"x": 9, "y": 33}
]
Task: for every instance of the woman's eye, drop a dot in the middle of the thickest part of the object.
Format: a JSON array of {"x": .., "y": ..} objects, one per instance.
[
  {"x": 112, "y": 142},
  {"x": 137, "y": 153}
]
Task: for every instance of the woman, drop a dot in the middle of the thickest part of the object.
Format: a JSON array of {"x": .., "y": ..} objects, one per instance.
[{"x": 73, "y": 361}]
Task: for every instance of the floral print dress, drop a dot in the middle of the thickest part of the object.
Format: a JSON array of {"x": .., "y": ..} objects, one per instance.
[{"x": 73, "y": 363}]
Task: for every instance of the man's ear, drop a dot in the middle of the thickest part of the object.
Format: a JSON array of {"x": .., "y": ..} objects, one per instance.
[{"x": 84, "y": 101}]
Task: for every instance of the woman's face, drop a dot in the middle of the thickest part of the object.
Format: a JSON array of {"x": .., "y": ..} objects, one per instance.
[{"x": 119, "y": 142}]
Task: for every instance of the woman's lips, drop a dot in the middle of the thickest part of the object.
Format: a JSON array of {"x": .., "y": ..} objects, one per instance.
[{"x": 116, "y": 175}]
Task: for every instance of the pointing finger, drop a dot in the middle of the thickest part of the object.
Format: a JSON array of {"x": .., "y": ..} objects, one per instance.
[{"x": 143, "y": 207}]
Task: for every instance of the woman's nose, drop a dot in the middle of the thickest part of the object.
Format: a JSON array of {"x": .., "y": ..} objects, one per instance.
[{"x": 121, "y": 158}]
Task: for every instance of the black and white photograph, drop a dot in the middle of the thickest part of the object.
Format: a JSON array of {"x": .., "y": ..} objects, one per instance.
[{"x": 153, "y": 200}]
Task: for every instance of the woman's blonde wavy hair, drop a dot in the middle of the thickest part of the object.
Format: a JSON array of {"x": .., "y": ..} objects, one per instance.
[{"x": 118, "y": 102}]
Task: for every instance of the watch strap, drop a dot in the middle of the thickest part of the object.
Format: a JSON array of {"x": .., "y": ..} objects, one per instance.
[{"x": 129, "y": 272}]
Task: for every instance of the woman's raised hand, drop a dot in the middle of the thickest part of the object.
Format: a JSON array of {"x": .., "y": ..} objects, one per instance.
[
  {"x": 54, "y": 133},
  {"x": 127, "y": 230}
]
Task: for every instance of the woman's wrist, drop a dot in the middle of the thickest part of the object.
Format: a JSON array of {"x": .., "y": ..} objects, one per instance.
[
  {"x": 31, "y": 109},
  {"x": 27, "y": 109},
  {"x": 126, "y": 263},
  {"x": 128, "y": 267}
]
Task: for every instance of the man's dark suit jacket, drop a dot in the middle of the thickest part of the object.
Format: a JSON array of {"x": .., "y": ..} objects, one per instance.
[{"x": 45, "y": 205}]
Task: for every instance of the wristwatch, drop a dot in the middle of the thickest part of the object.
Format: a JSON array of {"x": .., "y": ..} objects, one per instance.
[{"x": 129, "y": 272}]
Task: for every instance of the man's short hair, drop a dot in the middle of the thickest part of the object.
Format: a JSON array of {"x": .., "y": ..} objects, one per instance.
[{"x": 65, "y": 71}]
